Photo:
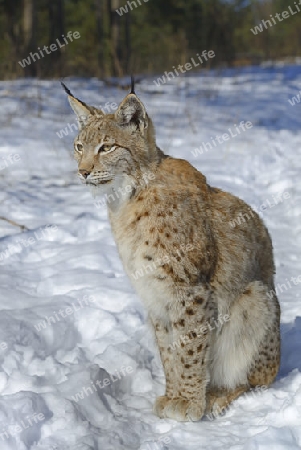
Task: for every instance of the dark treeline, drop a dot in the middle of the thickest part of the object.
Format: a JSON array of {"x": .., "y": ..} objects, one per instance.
[{"x": 145, "y": 36}]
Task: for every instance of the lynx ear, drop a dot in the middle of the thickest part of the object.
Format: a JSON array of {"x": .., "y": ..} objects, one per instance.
[
  {"x": 131, "y": 112},
  {"x": 81, "y": 109}
]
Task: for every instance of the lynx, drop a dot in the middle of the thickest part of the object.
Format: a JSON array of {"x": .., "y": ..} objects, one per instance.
[{"x": 201, "y": 269}]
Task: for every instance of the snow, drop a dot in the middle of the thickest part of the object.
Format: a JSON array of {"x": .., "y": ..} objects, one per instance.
[{"x": 79, "y": 366}]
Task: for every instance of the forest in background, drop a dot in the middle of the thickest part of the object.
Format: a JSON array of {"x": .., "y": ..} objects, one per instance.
[{"x": 152, "y": 37}]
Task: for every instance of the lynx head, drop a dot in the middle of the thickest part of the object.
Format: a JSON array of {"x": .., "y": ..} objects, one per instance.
[{"x": 110, "y": 147}]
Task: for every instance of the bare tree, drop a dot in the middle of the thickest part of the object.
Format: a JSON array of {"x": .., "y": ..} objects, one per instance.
[
  {"x": 128, "y": 43},
  {"x": 29, "y": 34},
  {"x": 56, "y": 30},
  {"x": 13, "y": 33},
  {"x": 114, "y": 37},
  {"x": 99, "y": 12}
]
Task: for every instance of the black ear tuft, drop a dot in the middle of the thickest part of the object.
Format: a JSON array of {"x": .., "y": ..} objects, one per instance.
[
  {"x": 132, "y": 85},
  {"x": 81, "y": 109},
  {"x": 67, "y": 90}
]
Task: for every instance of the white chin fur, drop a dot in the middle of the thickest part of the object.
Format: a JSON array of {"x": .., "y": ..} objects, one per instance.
[
  {"x": 99, "y": 190},
  {"x": 119, "y": 182}
]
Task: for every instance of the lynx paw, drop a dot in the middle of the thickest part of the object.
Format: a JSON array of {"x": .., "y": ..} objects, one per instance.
[
  {"x": 178, "y": 409},
  {"x": 218, "y": 401}
]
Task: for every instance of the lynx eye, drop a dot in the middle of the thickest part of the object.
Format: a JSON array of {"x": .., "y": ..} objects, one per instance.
[
  {"x": 105, "y": 148},
  {"x": 79, "y": 147}
]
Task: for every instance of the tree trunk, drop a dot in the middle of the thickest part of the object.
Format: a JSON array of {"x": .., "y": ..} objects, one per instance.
[
  {"x": 56, "y": 30},
  {"x": 114, "y": 38},
  {"x": 128, "y": 45},
  {"x": 29, "y": 35},
  {"x": 99, "y": 12}
]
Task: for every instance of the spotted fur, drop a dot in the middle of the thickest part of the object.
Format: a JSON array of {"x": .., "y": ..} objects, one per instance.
[{"x": 197, "y": 269}]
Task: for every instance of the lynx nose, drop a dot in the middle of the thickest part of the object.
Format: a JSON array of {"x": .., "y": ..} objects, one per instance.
[{"x": 84, "y": 172}]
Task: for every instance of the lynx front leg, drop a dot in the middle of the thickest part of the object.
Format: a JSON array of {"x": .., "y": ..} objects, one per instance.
[
  {"x": 164, "y": 339},
  {"x": 187, "y": 356}
]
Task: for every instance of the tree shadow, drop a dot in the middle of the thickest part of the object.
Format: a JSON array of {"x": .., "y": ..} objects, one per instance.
[{"x": 290, "y": 347}]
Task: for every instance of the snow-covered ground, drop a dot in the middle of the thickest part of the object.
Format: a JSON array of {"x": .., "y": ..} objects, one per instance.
[{"x": 79, "y": 366}]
